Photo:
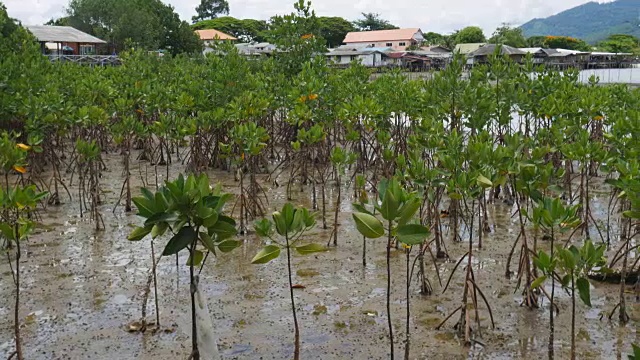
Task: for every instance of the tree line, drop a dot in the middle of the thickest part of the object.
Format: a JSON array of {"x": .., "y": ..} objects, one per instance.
[{"x": 153, "y": 25}]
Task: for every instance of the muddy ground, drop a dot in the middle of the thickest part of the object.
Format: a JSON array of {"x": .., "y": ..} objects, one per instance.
[{"x": 81, "y": 289}]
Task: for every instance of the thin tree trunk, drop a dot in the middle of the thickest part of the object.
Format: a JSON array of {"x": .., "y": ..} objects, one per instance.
[
  {"x": 195, "y": 354},
  {"x": 573, "y": 317},
  {"x": 389, "y": 290},
  {"x": 408, "y": 331},
  {"x": 296, "y": 349},
  {"x": 16, "y": 313}
]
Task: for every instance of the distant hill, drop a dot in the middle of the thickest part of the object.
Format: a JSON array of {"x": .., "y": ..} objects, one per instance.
[{"x": 591, "y": 22}]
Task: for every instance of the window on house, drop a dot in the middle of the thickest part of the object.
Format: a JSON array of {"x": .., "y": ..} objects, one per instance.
[
  {"x": 373, "y": 45},
  {"x": 353, "y": 57},
  {"x": 86, "y": 50},
  {"x": 402, "y": 44},
  {"x": 389, "y": 44}
]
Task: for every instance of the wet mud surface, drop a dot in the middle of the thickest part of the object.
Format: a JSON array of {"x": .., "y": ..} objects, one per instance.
[{"x": 81, "y": 289}]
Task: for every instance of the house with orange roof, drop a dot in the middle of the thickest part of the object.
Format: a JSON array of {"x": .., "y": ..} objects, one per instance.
[
  {"x": 397, "y": 39},
  {"x": 212, "y": 36}
]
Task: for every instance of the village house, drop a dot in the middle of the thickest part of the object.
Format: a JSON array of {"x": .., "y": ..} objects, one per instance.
[
  {"x": 370, "y": 57},
  {"x": 211, "y": 36},
  {"x": 482, "y": 54},
  {"x": 397, "y": 39},
  {"x": 64, "y": 40},
  {"x": 539, "y": 55}
]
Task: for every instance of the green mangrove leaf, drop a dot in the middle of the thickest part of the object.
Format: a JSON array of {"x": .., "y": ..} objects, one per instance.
[
  {"x": 537, "y": 282},
  {"x": 389, "y": 207},
  {"x": 229, "y": 245},
  {"x": 159, "y": 229},
  {"x": 207, "y": 241},
  {"x": 179, "y": 241},
  {"x": 310, "y": 248},
  {"x": 137, "y": 234},
  {"x": 484, "y": 182},
  {"x": 408, "y": 210},
  {"x": 412, "y": 234},
  {"x": 281, "y": 226},
  {"x": 161, "y": 217},
  {"x": 632, "y": 214},
  {"x": 198, "y": 256},
  {"x": 361, "y": 208},
  {"x": 267, "y": 254},
  {"x": 368, "y": 225},
  {"x": 224, "y": 230},
  {"x": 584, "y": 290}
]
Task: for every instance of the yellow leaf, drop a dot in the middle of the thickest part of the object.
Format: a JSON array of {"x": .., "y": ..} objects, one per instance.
[
  {"x": 19, "y": 169},
  {"x": 313, "y": 96},
  {"x": 23, "y": 147}
]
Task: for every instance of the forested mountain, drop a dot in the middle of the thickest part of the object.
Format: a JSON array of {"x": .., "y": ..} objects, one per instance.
[{"x": 591, "y": 22}]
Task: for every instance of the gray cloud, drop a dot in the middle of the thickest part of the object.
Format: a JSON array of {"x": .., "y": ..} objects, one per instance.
[{"x": 440, "y": 15}]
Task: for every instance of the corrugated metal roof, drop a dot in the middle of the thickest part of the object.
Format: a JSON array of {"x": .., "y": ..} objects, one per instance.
[
  {"x": 467, "y": 48},
  {"x": 381, "y": 35},
  {"x": 353, "y": 52},
  {"x": 46, "y": 33},
  {"x": 432, "y": 54},
  {"x": 213, "y": 34},
  {"x": 599, "y": 53},
  {"x": 539, "y": 50},
  {"x": 491, "y": 48}
]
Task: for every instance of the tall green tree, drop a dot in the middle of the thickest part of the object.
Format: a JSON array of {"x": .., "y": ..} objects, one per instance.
[
  {"x": 433, "y": 38},
  {"x": 372, "y": 22},
  {"x": 293, "y": 34},
  {"x": 148, "y": 24},
  {"x": 470, "y": 34},
  {"x": 507, "y": 35},
  {"x": 334, "y": 29},
  {"x": 620, "y": 43},
  {"x": 536, "y": 41},
  {"x": 565, "y": 42},
  {"x": 210, "y": 9}
]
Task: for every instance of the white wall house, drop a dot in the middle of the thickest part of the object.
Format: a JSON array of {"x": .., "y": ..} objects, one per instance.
[
  {"x": 211, "y": 36},
  {"x": 369, "y": 58}
]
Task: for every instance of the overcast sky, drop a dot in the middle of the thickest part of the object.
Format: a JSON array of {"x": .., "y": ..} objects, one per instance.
[{"x": 441, "y": 16}]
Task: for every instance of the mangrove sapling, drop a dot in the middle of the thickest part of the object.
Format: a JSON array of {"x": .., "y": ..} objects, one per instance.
[
  {"x": 410, "y": 235},
  {"x": 629, "y": 188},
  {"x": 88, "y": 164},
  {"x": 290, "y": 223},
  {"x": 574, "y": 264},
  {"x": 340, "y": 158},
  {"x": 13, "y": 156},
  {"x": 363, "y": 200},
  {"x": 249, "y": 141},
  {"x": 585, "y": 151},
  {"x": 193, "y": 211},
  {"x": 124, "y": 134},
  {"x": 523, "y": 177},
  {"x": 397, "y": 207},
  {"x": 553, "y": 217},
  {"x": 16, "y": 205},
  {"x": 471, "y": 186}
]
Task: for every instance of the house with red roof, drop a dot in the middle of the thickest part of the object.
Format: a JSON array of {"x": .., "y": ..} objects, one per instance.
[
  {"x": 397, "y": 39},
  {"x": 211, "y": 36}
]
